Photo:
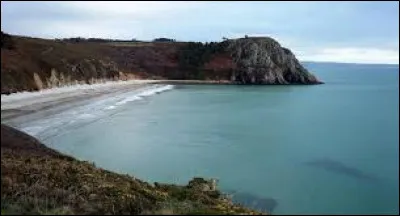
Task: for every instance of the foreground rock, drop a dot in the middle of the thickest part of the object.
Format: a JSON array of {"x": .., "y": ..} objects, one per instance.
[{"x": 39, "y": 180}]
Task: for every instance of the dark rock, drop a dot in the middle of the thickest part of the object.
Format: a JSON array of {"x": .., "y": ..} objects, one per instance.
[
  {"x": 262, "y": 60},
  {"x": 203, "y": 185},
  {"x": 249, "y": 200}
]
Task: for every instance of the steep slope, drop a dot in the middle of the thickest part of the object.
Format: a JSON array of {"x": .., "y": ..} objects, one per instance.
[
  {"x": 33, "y": 64},
  {"x": 29, "y": 64},
  {"x": 38, "y": 180}
]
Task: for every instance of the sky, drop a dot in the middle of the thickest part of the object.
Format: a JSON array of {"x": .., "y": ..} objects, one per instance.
[{"x": 349, "y": 32}]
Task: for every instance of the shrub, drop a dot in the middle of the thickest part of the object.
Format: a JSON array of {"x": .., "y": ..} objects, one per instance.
[{"x": 7, "y": 41}]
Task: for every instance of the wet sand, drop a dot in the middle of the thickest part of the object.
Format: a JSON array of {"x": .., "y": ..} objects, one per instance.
[
  {"x": 28, "y": 106},
  {"x": 22, "y": 107}
]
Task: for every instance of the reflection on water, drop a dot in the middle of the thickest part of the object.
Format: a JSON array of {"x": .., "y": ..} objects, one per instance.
[{"x": 340, "y": 168}]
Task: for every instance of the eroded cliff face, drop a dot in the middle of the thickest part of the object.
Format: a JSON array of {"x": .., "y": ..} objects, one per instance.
[
  {"x": 43, "y": 75},
  {"x": 29, "y": 64},
  {"x": 35, "y": 64},
  {"x": 262, "y": 60},
  {"x": 85, "y": 72}
]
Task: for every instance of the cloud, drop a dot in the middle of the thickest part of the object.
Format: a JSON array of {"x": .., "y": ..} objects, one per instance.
[
  {"x": 326, "y": 31},
  {"x": 133, "y": 10},
  {"x": 115, "y": 19},
  {"x": 353, "y": 55},
  {"x": 362, "y": 55}
]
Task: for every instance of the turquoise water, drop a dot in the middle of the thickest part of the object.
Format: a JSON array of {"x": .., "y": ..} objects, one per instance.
[{"x": 329, "y": 148}]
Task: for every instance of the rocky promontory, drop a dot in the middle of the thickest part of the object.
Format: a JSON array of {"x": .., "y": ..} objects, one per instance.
[
  {"x": 30, "y": 64},
  {"x": 262, "y": 60}
]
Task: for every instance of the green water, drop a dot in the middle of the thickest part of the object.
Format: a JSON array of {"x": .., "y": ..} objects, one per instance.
[{"x": 261, "y": 140}]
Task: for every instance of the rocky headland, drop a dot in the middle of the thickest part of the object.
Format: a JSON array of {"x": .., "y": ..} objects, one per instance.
[{"x": 30, "y": 64}]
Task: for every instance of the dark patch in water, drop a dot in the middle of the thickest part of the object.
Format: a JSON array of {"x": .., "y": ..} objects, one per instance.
[
  {"x": 338, "y": 167},
  {"x": 266, "y": 205}
]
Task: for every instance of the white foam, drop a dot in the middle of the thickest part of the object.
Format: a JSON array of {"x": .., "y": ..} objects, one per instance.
[
  {"x": 155, "y": 90},
  {"x": 33, "y": 130},
  {"x": 128, "y": 99},
  {"x": 49, "y": 126},
  {"x": 144, "y": 93}
]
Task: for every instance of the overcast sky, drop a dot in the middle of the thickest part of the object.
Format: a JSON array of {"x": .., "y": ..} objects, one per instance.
[{"x": 359, "y": 32}]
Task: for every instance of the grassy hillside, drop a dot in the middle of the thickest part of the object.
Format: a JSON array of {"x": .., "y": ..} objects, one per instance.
[
  {"x": 38, "y": 180},
  {"x": 31, "y": 63}
]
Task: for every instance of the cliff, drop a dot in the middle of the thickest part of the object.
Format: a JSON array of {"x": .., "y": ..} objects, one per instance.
[
  {"x": 29, "y": 64},
  {"x": 264, "y": 61},
  {"x": 38, "y": 180}
]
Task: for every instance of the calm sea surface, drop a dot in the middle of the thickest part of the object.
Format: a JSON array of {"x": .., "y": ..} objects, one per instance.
[{"x": 330, "y": 148}]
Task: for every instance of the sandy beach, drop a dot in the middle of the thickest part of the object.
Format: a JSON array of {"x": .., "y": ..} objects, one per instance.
[{"x": 27, "y": 106}]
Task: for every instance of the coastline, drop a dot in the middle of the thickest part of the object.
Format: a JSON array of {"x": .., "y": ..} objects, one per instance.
[
  {"x": 223, "y": 82},
  {"x": 18, "y": 146},
  {"x": 36, "y": 179},
  {"x": 195, "y": 82},
  {"x": 26, "y": 106}
]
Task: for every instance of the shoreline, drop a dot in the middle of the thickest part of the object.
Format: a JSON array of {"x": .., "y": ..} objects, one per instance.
[
  {"x": 80, "y": 187},
  {"x": 37, "y": 104},
  {"x": 156, "y": 81},
  {"x": 23, "y": 107},
  {"x": 195, "y": 82},
  {"x": 225, "y": 82}
]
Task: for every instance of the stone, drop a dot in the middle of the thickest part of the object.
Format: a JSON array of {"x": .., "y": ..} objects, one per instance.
[
  {"x": 38, "y": 82},
  {"x": 203, "y": 184},
  {"x": 262, "y": 60}
]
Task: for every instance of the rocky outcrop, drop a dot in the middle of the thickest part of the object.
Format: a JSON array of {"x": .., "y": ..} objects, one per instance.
[
  {"x": 262, "y": 60},
  {"x": 201, "y": 184},
  {"x": 263, "y": 204},
  {"x": 83, "y": 72},
  {"x": 30, "y": 64}
]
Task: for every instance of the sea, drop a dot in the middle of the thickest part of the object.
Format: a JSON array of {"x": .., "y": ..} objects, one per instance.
[{"x": 305, "y": 149}]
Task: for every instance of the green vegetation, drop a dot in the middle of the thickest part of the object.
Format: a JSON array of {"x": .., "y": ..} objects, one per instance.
[
  {"x": 164, "y": 40},
  {"x": 93, "y": 40},
  {"x": 196, "y": 54}
]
